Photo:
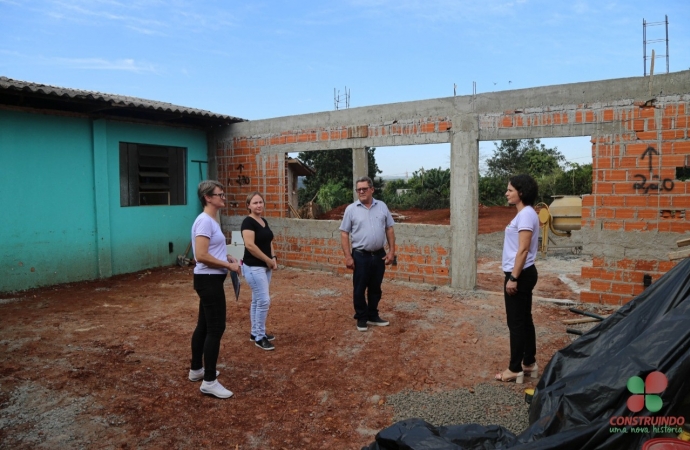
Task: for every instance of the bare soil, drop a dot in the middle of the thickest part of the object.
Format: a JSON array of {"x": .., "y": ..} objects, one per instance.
[
  {"x": 491, "y": 218},
  {"x": 104, "y": 364}
]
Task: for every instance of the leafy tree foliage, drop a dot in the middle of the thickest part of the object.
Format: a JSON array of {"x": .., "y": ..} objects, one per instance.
[
  {"x": 427, "y": 189},
  {"x": 334, "y": 174},
  {"x": 548, "y": 166},
  {"x": 515, "y": 156},
  {"x": 331, "y": 195}
]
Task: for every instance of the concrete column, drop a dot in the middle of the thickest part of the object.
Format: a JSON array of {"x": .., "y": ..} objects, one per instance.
[
  {"x": 464, "y": 203},
  {"x": 360, "y": 167},
  {"x": 102, "y": 198}
]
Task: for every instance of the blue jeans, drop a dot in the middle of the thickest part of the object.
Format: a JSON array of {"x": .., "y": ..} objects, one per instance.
[
  {"x": 523, "y": 339},
  {"x": 210, "y": 324},
  {"x": 258, "y": 278},
  {"x": 366, "y": 279}
]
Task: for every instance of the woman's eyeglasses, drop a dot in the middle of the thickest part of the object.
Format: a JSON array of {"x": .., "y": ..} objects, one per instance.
[{"x": 221, "y": 195}]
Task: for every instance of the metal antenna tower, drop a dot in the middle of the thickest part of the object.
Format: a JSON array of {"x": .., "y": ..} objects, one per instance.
[
  {"x": 645, "y": 24},
  {"x": 341, "y": 101}
]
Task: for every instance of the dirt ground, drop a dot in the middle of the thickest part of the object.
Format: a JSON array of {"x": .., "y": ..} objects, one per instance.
[
  {"x": 491, "y": 219},
  {"x": 104, "y": 364}
]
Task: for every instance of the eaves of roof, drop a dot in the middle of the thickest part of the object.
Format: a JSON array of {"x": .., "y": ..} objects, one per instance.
[{"x": 34, "y": 96}]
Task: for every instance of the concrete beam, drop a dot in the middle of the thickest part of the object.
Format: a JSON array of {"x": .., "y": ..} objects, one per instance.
[
  {"x": 360, "y": 167},
  {"x": 464, "y": 203}
]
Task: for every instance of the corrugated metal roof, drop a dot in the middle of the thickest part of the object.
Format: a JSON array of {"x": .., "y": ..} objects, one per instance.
[{"x": 42, "y": 96}]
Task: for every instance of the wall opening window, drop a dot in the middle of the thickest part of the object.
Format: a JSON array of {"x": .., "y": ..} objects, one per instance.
[{"x": 152, "y": 175}]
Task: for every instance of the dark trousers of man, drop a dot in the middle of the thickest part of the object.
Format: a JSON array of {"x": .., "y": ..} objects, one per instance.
[
  {"x": 210, "y": 325},
  {"x": 367, "y": 279},
  {"x": 523, "y": 339}
]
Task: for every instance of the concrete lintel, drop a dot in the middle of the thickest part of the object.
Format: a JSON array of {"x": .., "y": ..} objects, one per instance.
[
  {"x": 548, "y": 131},
  {"x": 375, "y": 141}
]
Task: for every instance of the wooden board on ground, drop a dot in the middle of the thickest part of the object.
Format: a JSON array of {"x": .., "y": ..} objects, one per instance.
[
  {"x": 683, "y": 242},
  {"x": 583, "y": 320},
  {"x": 680, "y": 254}
]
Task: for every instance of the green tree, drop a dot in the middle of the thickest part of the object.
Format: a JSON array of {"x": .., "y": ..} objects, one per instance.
[
  {"x": 427, "y": 189},
  {"x": 576, "y": 180},
  {"x": 331, "y": 195},
  {"x": 332, "y": 167},
  {"x": 515, "y": 156}
]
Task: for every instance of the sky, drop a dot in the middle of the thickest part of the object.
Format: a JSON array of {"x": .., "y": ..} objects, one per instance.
[{"x": 263, "y": 59}]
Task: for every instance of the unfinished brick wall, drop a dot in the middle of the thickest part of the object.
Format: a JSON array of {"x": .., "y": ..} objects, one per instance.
[
  {"x": 247, "y": 164},
  {"x": 638, "y": 182},
  {"x": 640, "y": 155}
]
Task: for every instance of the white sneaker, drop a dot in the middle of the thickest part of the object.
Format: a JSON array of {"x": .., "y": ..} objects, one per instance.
[
  {"x": 215, "y": 388},
  {"x": 198, "y": 375}
]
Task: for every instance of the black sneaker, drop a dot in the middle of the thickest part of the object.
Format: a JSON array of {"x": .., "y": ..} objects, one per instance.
[
  {"x": 263, "y": 344},
  {"x": 362, "y": 325},
  {"x": 270, "y": 337},
  {"x": 379, "y": 322}
]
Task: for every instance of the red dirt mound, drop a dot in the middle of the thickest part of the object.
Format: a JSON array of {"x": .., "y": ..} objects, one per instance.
[{"x": 491, "y": 218}]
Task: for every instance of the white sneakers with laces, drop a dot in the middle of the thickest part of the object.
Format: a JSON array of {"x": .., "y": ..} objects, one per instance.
[{"x": 215, "y": 388}]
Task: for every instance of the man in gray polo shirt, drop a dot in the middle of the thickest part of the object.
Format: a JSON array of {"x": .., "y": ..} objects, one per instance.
[{"x": 370, "y": 224}]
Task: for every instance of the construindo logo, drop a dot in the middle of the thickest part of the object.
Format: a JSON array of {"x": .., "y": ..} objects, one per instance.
[
  {"x": 645, "y": 395},
  {"x": 645, "y": 392}
]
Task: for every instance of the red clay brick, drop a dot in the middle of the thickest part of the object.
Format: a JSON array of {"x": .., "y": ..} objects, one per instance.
[
  {"x": 613, "y": 225},
  {"x": 680, "y": 227},
  {"x": 635, "y": 226},
  {"x": 590, "y": 297},
  {"x": 601, "y": 286},
  {"x": 669, "y": 135},
  {"x": 613, "y": 200},
  {"x": 622, "y": 288},
  {"x": 591, "y": 272},
  {"x": 681, "y": 148},
  {"x": 611, "y": 299},
  {"x": 647, "y": 112},
  {"x": 615, "y": 175},
  {"x": 665, "y": 266},
  {"x": 635, "y": 149},
  {"x": 624, "y": 213},
  {"x": 636, "y": 200},
  {"x": 604, "y": 213},
  {"x": 647, "y": 135}
]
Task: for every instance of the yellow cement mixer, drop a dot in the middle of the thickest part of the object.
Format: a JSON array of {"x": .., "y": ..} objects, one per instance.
[{"x": 560, "y": 218}]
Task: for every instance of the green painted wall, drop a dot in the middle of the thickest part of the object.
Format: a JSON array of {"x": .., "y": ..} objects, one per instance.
[
  {"x": 60, "y": 201},
  {"x": 140, "y": 234}
]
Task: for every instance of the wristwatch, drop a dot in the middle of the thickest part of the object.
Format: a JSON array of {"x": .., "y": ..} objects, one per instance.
[{"x": 512, "y": 278}]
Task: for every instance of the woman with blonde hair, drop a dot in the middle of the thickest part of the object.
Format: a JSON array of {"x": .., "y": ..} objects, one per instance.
[{"x": 259, "y": 263}]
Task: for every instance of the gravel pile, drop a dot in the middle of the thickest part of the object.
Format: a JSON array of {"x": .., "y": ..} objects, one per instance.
[{"x": 486, "y": 404}]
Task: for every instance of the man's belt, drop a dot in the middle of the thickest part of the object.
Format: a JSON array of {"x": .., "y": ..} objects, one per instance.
[{"x": 367, "y": 252}]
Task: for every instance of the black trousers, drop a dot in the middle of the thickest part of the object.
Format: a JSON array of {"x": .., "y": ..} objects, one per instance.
[
  {"x": 523, "y": 337},
  {"x": 366, "y": 279},
  {"x": 210, "y": 324}
]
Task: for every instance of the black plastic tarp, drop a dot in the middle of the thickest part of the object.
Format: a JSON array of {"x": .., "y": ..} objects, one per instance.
[{"x": 585, "y": 384}]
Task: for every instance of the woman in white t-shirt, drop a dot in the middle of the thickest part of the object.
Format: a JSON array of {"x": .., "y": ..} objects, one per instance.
[
  {"x": 520, "y": 246},
  {"x": 212, "y": 265}
]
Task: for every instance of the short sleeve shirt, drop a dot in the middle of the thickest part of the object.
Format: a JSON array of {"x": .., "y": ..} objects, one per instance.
[
  {"x": 262, "y": 238},
  {"x": 206, "y": 226},
  {"x": 527, "y": 219},
  {"x": 367, "y": 226}
]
